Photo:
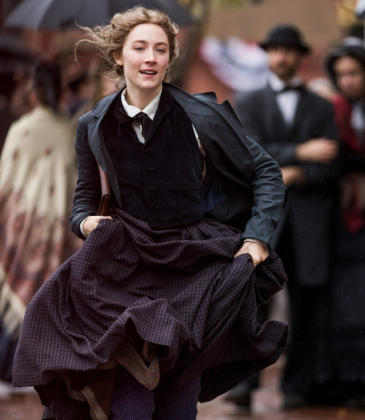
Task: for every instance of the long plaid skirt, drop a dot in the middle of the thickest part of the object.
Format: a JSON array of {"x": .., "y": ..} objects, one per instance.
[{"x": 168, "y": 305}]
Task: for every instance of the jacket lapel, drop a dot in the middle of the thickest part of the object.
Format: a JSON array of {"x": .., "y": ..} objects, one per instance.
[
  {"x": 164, "y": 106},
  {"x": 301, "y": 112},
  {"x": 221, "y": 134},
  {"x": 97, "y": 144},
  {"x": 272, "y": 115}
]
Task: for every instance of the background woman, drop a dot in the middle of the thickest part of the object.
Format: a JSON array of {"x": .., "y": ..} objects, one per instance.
[
  {"x": 154, "y": 310},
  {"x": 346, "y": 67},
  {"x": 37, "y": 179}
]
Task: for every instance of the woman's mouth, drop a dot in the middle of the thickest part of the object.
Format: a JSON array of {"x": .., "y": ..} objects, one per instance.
[{"x": 148, "y": 72}]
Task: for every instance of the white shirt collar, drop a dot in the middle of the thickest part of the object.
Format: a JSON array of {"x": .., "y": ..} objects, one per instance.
[
  {"x": 150, "y": 109},
  {"x": 277, "y": 85}
]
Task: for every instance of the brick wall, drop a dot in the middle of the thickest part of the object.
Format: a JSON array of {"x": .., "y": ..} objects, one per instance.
[{"x": 316, "y": 18}]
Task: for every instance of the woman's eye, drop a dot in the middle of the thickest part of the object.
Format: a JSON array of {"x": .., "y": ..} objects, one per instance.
[
  {"x": 160, "y": 50},
  {"x": 139, "y": 48}
]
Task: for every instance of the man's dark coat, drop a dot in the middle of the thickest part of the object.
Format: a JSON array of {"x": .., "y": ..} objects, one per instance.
[
  {"x": 309, "y": 207},
  {"x": 251, "y": 180}
]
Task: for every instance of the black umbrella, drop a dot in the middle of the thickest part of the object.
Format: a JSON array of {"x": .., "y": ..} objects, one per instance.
[{"x": 55, "y": 14}]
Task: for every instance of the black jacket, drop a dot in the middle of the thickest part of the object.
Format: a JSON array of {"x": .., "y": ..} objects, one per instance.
[
  {"x": 309, "y": 208},
  {"x": 251, "y": 180}
]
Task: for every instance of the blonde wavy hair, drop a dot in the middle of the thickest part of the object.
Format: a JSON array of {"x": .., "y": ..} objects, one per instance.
[{"x": 109, "y": 39}]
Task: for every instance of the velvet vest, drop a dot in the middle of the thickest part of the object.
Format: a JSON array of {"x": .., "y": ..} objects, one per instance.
[{"x": 161, "y": 180}]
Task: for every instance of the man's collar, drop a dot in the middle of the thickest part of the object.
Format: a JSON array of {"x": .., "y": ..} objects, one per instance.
[
  {"x": 278, "y": 85},
  {"x": 150, "y": 109}
]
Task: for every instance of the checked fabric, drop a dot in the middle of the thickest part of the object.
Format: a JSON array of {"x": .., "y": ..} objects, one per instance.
[{"x": 173, "y": 302}]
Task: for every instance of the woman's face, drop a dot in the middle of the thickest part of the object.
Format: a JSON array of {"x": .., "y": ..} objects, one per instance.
[
  {"x": 145, "y": 57},
  {"x": 350, "y": 77}
]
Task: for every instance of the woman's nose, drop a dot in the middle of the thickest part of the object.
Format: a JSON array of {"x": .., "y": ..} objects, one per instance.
[{"x": 150, "y": 56}]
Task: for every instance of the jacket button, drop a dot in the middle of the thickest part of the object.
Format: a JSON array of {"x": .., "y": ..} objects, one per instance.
[
  {"x": 150, "y": 168},
  {"x": 148, "y": 149},
  {"x": 151, "y": 187}
]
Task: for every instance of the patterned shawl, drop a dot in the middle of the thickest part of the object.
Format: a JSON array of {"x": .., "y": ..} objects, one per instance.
[{"x": 37, "y": 181}]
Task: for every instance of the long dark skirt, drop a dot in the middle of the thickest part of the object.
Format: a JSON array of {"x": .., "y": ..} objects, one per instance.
[
  {"x": 344, "y": 368},
  {"x": 306, "y": 350},
  {"x": 179, "y": 289}
]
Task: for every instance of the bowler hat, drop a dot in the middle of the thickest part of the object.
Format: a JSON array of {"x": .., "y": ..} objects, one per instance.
[{"x": 285, "y": 35}]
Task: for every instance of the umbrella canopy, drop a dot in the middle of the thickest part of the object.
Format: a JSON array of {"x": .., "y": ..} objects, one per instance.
[{"x": 55, "y": 14}]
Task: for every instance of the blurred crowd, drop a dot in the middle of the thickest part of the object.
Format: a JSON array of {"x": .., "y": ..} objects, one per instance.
[
  {"x": 41, "y": 99},
  {"x": 318, "y": 141},
  {"x": 316, "y": 133}
]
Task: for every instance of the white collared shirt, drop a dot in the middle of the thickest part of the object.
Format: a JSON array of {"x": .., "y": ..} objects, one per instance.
[
  {"x": 132, "y": 111},
  {"x": 287, "y": 101}
]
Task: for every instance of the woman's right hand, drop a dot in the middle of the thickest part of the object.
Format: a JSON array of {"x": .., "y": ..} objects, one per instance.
[{"x": 92, "y": 222}]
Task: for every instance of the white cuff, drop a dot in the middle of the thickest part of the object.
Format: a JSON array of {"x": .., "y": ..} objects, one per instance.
[
  {"x": 82, "y": 227},
  {"x": 257, "y": 241}
]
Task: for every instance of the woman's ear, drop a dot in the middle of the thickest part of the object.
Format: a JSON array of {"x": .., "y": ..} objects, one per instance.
[{"x": 117, "y": 55}]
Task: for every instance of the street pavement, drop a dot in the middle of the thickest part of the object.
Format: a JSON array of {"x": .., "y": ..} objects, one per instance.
[
  {"x": 267, "y": 402},
  {"x": 267, "y": 405}
]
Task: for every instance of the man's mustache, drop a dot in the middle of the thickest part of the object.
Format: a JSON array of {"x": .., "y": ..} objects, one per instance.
[{"x": 283, "y": 65}]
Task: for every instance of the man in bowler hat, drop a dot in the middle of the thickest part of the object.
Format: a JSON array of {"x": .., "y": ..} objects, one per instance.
[{"x": 296, "y": 127}]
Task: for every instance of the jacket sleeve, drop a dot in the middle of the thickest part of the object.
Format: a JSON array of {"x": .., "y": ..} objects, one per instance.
[
  {"x": 317, "y": 174},
  {"x": 269, "y": 195},
  {"x": 248, "y": 112},
  {"x": 88, "y": 189}
]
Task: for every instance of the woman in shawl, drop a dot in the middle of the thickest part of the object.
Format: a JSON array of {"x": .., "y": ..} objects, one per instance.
[
  {"x": 158, "y": 308},
  {"x": 346, "y": 371},
  {"x": 37, "y": 178}
]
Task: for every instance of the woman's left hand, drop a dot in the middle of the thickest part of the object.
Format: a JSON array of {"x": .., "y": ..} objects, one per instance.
[{"x": 258, "y": 252}]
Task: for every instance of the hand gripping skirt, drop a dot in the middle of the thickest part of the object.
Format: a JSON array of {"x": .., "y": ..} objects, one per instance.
[{"x": 166, "y": 305}]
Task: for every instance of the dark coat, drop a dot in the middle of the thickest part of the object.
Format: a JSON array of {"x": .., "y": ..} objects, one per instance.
[
  {"x": 251, "y": 180},
  {"x": 309, "y": 207}
]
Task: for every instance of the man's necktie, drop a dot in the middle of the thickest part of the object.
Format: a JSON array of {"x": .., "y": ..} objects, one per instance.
[
  {"x": 297, "y": 88},
  {"x": 141, "y": 117}
]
